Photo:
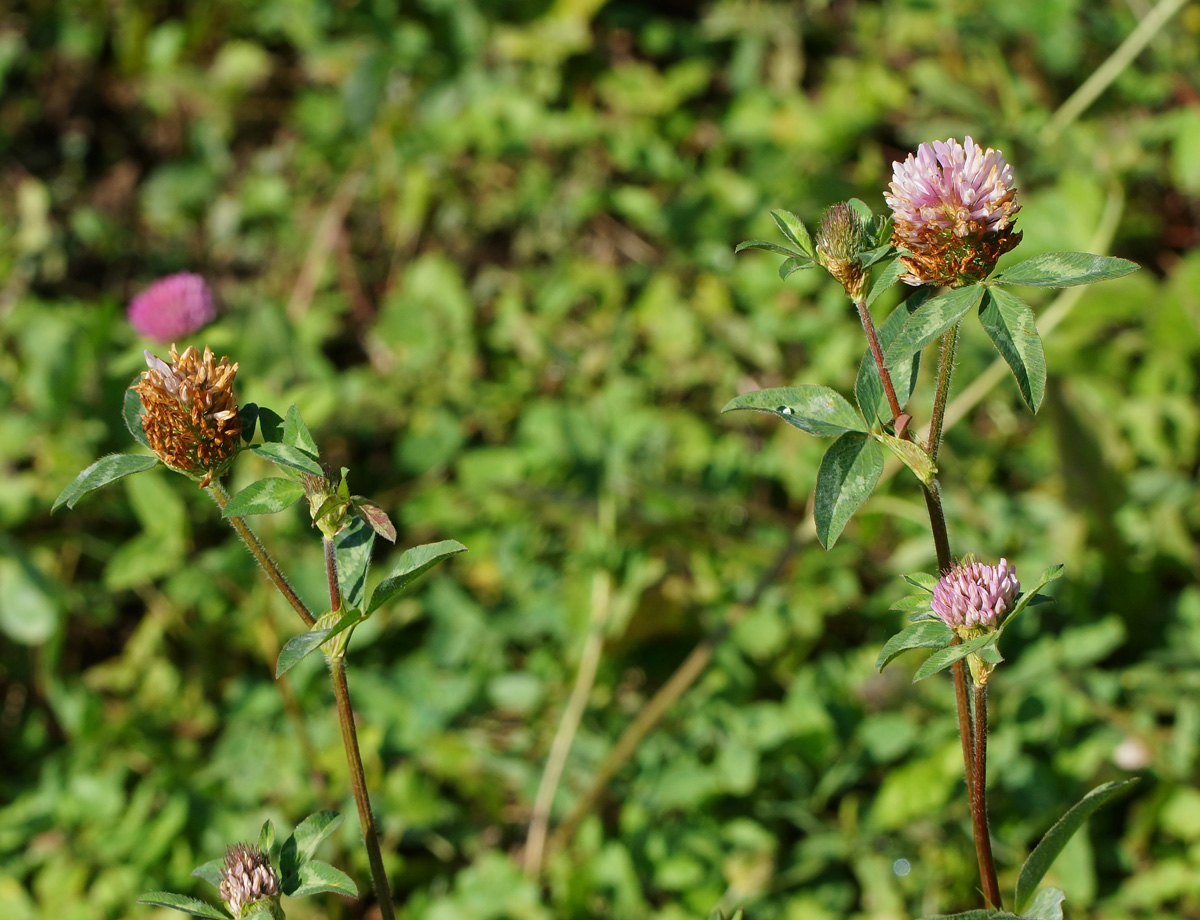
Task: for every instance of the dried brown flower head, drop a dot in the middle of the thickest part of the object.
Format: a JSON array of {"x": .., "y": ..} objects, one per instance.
[{"x": 191, "y": 418}]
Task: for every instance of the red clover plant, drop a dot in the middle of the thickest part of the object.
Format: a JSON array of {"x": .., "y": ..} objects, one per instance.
[
  {"x": 185, "y": 412},
  {"x": 953, "y": 207}
]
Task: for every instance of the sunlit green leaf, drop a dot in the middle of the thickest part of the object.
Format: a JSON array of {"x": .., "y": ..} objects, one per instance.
[
  {"x": 295, "y": 433},
  {"x": 795, "y": 264},
  {"x": 413, "y": 564},
  {"x": 1046, "y": 905},
  {"x": 943, "y": 658},
  {"x": 101, "y": 473},
  {"x": 132, "y": 411},
  {"x": 193, "y": 906},
  {"x": 1065, "y": 269},
  {"x": 266, "y": 496},
  {"x": 1010, "y": 325},
  {"x": 1044, "y": 854},
  {"x": 926, "y": 634},
  {"x": 848, "y": 474},
  {"x": 316, "y": 876},
  {"x": 815, "y": 409},
  {"x": 210, "y": 871},
  {"x": 288, "y": 457},
  {"x": 766, "y": 246},
  {"x": 353, "y": 547},
  {"x": 930, "y": 320},
  {"x": 300, "y": 647},
  {"x": 793, "y": 228}
]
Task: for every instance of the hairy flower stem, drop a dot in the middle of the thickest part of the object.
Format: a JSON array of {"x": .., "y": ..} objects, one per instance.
[
  {"x": 358, "y": 776},
  {"x": 979, "y": 817},
  {"x": 259, "y": 552},
  {"x": 973, "y": 736},
  {"x": 341, "y": 690},
  {"x": 942, "y": 393},
  {"x": 868, "y": 325},
  {"x": 358, "y": 780}
]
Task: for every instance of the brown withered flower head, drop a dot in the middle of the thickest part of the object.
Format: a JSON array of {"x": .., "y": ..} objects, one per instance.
[
  {"x": 191, "y": 419},
  {"x": 953, "y": 206}
]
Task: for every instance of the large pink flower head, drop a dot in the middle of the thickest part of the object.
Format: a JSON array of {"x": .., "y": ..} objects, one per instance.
[
  {"x": 173, "y": 307},
  {"x": 973, "y": 595},
  {"x": 953, "y": 207}
]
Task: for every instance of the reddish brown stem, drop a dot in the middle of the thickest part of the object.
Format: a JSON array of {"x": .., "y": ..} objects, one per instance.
[
  {"x": 979, "y": 817},
  {"x": 889, "y": 390},
  {"x": 358, "y": 776}
]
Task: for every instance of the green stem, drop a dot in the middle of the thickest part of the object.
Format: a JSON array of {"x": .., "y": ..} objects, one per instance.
[
  {"x": 358, "y": 780},
  {"x": 259, "y": 552},
  {"x": 341, "y": 689},
  {"x": 979, "y": 817},
  {"x": 358, "y": 776},
  {"x": 942, "y": 393},
  {"x": 973, "y": 735}
]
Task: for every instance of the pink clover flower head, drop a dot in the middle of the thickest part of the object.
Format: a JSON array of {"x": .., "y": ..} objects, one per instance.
[
  {"x": 953, "y": 208},
  {"x": 247, "y": 879},
  {"x": 973, "y": 595},
  {"x": 173, "y": 307}
]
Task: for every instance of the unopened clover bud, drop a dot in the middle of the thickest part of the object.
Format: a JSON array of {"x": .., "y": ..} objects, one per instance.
[
  {"x": 248, "y": 883},
  {"x": 953, "y": 208},
  {"x": 173, "y": 307},
  {"x": 191, "y": 418},
  {"x": 327, "y": 507},
  {"x": 972, "y": 596},
  {"x": 842, "y": 238}
]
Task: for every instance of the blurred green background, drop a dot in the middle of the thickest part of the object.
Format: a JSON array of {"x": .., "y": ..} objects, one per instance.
[{"x": 486, "y": 246}]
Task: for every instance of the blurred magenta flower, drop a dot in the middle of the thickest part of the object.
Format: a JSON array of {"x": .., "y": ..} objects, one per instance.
[
  {"x": 173, "y": 307},
  {"x": 973, "y": 595},
  {"x": 953, "y": 207}
]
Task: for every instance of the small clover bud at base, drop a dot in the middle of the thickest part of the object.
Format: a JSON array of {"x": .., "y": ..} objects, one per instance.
[{"x": 842, "y": 237}]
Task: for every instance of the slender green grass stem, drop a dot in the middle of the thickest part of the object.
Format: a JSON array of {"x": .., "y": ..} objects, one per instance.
[
  {"x": 358, "y": 776},
  {"x": 1103, "y": 76},
  {"x": 979, "y": 815},
  {"x": 679, "y": 682},
  {"x": 564, "y": 737},
  {"x": 585, "y": 679}
]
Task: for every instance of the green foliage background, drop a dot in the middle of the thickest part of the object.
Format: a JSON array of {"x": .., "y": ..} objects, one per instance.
[{"x": 487, "y": 248}]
